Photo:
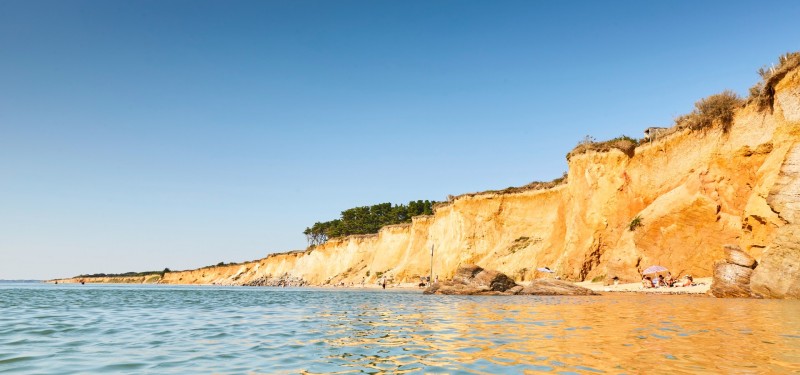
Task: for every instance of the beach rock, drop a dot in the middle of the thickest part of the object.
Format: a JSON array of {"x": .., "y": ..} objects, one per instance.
[
  {"x": 275, "y": 281},
  {"x": 494, "y": 281},
  {"x": 735, "y": 255},
  {"x": 731, "y": 280},
  {"x": 449, "y": 287},
  {"x": 778, "y": 274},
  {"x": 551, "y": 287},
  {"x": 515, "y": 290},
  {"x": 482, "y": 279},
  {"x": 466, "y": 273},
  {"x": 472, "y": 279}
]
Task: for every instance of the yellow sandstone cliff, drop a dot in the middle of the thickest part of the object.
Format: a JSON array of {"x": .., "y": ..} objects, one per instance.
[{"x": 694, "y": 191}]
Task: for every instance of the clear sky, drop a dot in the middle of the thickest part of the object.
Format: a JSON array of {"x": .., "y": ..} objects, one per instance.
[{"x": 140, "y": 135}]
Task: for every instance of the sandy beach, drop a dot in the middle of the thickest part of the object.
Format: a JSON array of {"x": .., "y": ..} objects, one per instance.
[{"x": 702, "y": 286}]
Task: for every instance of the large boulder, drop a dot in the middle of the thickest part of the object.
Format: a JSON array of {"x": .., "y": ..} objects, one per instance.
[
  {"x": 466, "y": 273},
  {"x": 550, "y": 287},
  {"x": 494, "y": 281},
  {"x": 731, "y": 280},
  {"x": 472, "y": 279},
  {"x": 450, "y": 287},
  {"x": 735, "y": 255},
  {"x": 778, "y": 274},
  {"x": 483, "y": 279}
]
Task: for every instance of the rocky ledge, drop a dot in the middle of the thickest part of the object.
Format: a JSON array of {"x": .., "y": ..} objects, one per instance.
[
  {"x": 474, "y": 280},
  {"x": 283, "y": 280},
  {"x": 732, "y": 275},
  {"x": 777, "y": 276}
]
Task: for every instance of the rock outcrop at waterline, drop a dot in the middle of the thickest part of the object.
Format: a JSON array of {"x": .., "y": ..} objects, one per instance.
[
  {"x": 282, "y": 281},
  {"x": 732, "y": 275},
  {"x": 778, "y": 274},
  {"x": 474, "y": 280},
  {"x": 689, "y": 192}
]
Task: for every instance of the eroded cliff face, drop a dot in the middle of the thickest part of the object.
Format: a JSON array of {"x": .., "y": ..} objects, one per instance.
[{"x": 694, "y": 192}]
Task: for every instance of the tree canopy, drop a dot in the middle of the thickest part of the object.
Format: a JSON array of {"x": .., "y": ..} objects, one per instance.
[{"x": 366, "y": 220}]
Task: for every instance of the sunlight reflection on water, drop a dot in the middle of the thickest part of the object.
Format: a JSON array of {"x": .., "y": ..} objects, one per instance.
[{"x": 135, "y": 329}]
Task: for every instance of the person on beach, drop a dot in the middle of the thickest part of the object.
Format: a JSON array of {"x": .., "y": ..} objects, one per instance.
[
  {"x": 384, "y": 283},
  {"x": 689, "y": 281},
  {"x": 647, "y": 282},
  {"x": 657, "y": 281},
  {"x": 668, "y": 280}
]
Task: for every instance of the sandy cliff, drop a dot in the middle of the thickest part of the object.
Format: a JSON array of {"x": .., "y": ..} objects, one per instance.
[{"x": 694, "y": 191}]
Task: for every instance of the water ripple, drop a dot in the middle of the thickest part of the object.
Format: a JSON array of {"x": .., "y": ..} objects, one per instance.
[{"x": 176, "y": 330}]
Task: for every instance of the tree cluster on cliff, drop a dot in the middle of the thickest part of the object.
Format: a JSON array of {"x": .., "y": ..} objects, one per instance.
[
  {"x": 126, "y": 274},
  {"x": 366, "y": 220}
]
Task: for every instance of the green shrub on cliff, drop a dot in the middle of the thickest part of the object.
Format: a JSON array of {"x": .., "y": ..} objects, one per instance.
[
  {"x": 126, "y": 274},
  {"x": 635, "y": 223}
]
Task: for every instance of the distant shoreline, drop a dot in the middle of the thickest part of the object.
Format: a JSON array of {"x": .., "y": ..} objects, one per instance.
[
  {"x": 23, "y": 281},
  {"x": 703, "y": 285}
]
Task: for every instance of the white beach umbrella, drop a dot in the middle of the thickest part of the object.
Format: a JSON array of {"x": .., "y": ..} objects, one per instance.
[{"x": 653, "y": 269}]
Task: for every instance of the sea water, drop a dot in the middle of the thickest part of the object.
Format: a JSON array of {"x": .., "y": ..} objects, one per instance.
[{"x": 158, "y": 329}]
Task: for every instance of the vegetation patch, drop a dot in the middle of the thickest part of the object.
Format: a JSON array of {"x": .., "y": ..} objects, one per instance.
[
  {"x": 623, "y": 143},
  {"x": 366, "y": 220},
  {"x": 152, "y": 278},
  {"x": 535, "y": 185},
  {"x": 635, "y": 223},
  {"x": 763, "y": 93},
  {"x": 715, "y": 109},
  {"x": 519, "y": 244},
  {"x": 126, "y": 274}
]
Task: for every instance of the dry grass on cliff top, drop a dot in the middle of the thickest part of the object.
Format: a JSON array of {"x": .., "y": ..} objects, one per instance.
[
  {"x": 717, "y": 109},
  {"x": 623, "y": 143},
  {"x": 536, "y": 185},
  {"x": 763, "y": 93}
]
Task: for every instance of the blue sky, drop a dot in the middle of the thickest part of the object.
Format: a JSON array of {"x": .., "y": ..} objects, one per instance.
[{"x": 148, "y": 134}]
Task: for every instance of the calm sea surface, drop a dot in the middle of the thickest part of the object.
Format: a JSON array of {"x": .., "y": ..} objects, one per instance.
[{"x": 60, "y": 329}]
